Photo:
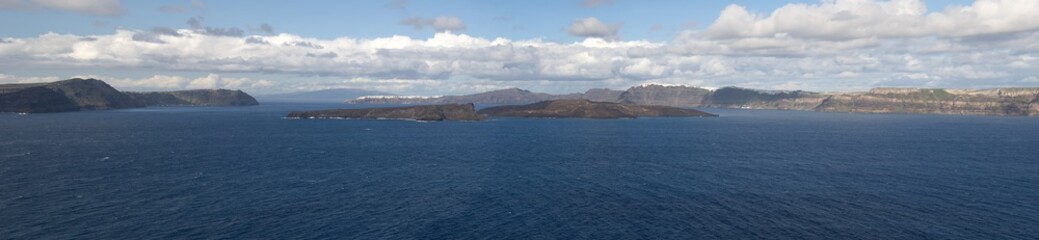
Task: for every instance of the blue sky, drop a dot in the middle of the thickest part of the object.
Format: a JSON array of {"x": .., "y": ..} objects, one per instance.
[{"x": 559, "y": 46}]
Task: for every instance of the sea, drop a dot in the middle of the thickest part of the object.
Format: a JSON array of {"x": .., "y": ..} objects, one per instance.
[{"x": 249, "y": 173}]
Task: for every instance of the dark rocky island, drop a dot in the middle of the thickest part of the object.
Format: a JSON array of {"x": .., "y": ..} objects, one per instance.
[
  {"x": 580, "y": 108},
  {"x": 460, "y": 112},
  {"x": 92, "y": 94}
]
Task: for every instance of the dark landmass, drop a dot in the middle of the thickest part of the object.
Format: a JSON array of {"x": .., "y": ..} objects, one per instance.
[
  {"x": 996, "y": 102},
  {"x": 325, "y": 96},
  {"x": 92, "y": 94},
  {"x": 462, "y": 112},
  {"x": 213, "y": 97},
  {"x": 581, "y": 108},
  {"x": 63, "y": 96}
]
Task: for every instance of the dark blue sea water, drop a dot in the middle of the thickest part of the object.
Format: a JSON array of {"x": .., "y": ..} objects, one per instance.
[{"x": 247, "y": 173}]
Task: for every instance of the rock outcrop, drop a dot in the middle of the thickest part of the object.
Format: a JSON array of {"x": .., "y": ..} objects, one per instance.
[
  {"x": 580, "y": 108},
  {"x": 463, "y": 112},
  {"x": 92, "y": 94}
]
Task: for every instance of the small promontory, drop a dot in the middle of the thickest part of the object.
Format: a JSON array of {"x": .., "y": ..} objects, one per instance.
[
  {"x": 580, "y": 108},
  {"x": 459, "y": 112}
]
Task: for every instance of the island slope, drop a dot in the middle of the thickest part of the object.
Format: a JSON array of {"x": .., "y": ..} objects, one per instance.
[
  {"x": 63, "y": 96},
  {"x": 580, "y": 108}
]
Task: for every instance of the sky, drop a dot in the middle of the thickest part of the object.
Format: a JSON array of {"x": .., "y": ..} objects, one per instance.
[{"x": 439, "y": 47}]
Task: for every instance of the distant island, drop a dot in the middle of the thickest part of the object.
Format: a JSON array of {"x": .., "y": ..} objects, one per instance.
[
  {"x": 570, "y": 108},
  {"x": 92, "y": 94},
  {"x": 994, "y": 102},
  {"x": 336, "y": 95},
  {"x": 457, "y": 112},
  {"x": 582, "y": 108}
]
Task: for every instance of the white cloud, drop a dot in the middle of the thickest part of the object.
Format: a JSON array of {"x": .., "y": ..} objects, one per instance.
[
  {"x": 592, "y": 27},
  {"x": 857, "y": 19},
  {"x": 832, "y": 45},
  {"x": 440, "y": 23},
  {"x": 213, "y": 81}
]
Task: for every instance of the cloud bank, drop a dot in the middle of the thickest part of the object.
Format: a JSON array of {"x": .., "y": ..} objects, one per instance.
[{"x": 832, "y": 45}]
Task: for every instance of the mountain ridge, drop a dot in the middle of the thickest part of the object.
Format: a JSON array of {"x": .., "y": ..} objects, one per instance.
[{"x": 992, "y": 101}]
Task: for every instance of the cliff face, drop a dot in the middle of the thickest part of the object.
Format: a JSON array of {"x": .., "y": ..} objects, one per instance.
[
  {"x": 92, "y": 94},
  {"x": 997, "y": 102},
  {"x": 580, "y": 108},
  {"x": 464, "y": 112},
  {"x": 215, "y": 97},
  {"x": 63, "y": 96}
]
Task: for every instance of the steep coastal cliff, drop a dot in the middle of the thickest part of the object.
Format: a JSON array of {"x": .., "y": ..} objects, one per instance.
[
  {"x": 580, "y": 108},
  {"x": 92, "y": 94},
  {"x": 464, "y": 112},
  {"x": 996, "y": 102}
]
